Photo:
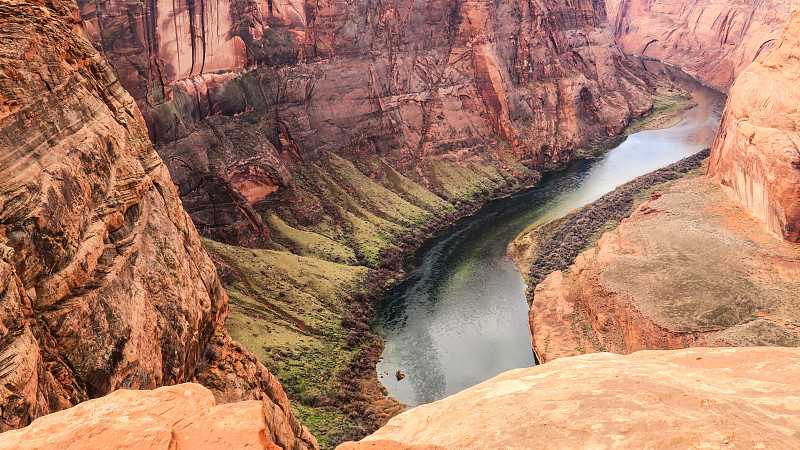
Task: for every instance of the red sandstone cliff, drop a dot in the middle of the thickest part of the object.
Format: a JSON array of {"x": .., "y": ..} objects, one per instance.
[
  {"x": 104, "y": 283},
  {"x": 712, "y": 40},
  {"x": 410, "y": 81},
  {"x": 756, "y": 157}
]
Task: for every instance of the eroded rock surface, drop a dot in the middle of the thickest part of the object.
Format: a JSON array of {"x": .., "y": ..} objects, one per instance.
[
  {"x": 756, "y": 157},
  {"x": 712, "y": 40},
  {"x": 687, "y": 268},
  {"x": 104, "y": 283},
  {"x": 409, "y": 81},
  {"x": 743, "y": 398},
  {"x": 183, "y": 416}
]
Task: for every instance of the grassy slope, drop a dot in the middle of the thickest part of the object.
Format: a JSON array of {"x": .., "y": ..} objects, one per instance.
[{"x": 303, "y": 309}]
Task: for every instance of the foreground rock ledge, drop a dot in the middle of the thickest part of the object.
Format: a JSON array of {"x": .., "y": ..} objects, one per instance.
[
  {"x": 700, "y": 397},
  {"x": 184, "y": 416}
]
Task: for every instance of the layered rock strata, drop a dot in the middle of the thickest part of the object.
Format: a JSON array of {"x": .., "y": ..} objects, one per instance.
[
  {"x": 712, "y": 40},
  {"x": 756, "y": 157},
  {"x": 695, "y": 397},
  {"x": 104, "y": 283},
  {"x": 410, "y": 81}
]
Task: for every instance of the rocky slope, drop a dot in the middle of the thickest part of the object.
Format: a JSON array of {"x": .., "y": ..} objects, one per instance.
[
  {"x": 756, "y": 157},
  {"x": 712, "y": 40},
  {"x": 105, "y": 283},
  {"x": 707, "y": 398}
]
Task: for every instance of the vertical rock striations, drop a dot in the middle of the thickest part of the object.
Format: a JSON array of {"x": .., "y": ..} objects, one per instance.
[
  {"x": 712, "y": 40},
  {"x": 409, "y": 81},
  {"x": 104, "y": 283},
  {"x": 756, "y": 157}
]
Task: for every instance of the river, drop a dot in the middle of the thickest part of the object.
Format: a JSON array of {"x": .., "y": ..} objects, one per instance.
[{"x": 460, "y": 315}]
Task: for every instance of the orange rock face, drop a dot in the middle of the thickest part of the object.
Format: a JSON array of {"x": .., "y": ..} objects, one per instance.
[
  {"x": 104, "y": 283},
  {"x": 756, "y": 157},
  {"x": 184, "y": 416},
  {"x": 706, "y": 398},
  {"x": 712, "y": 40}
]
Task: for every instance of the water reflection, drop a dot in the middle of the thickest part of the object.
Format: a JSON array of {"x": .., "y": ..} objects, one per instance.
[{"x": 460, "y": 316}]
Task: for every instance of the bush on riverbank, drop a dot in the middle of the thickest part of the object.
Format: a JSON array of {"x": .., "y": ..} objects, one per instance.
[{"x": 558, "y": 243}]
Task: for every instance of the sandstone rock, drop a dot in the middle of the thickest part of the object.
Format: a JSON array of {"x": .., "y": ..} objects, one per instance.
[
  {"x": 410, "y": 81},
  {"x": 687, "y": 268},
  {"x": 183, "y": 416},
  {"x": 104, "y": 283},
  {"x": 700, "y": 398},
  {"x": 712, "y": 40},
  {"x": 755, "y": 157}
]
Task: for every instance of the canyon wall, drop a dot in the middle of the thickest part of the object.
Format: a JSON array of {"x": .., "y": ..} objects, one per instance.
[
  {"x": 105, "y": 283},
  {"x": 756, "y": 157},
  {"x": 409, "y": 81},
  {"x": 742, "y": 398},
  {"x": 711, "y": 40}
]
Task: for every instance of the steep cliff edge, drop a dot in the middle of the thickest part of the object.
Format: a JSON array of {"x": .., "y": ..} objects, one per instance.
[
  {"x": 105, "y": 283},
  {"x": 712, "y": 398},
  {"x": 712, "y": 40},
  {"x": 756, "y": 157}
]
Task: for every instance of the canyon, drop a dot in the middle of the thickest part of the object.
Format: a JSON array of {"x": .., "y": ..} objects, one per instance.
[
  {"x": 179, "y": 177},
  {"x": 313, "y": 142}
]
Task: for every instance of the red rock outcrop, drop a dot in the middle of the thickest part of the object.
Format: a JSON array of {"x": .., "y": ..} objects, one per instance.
[
  {"x": 706, "y": 398},
  {"x": 104, "y": 283},
  {"x": 410, "y": 81},
  {"x": 756, "y": 157},
  {"x": 184, "y": 416},
  {"x": 712, "y": 40}
]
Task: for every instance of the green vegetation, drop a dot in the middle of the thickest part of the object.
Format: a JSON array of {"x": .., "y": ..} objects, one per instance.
[
  {"x": 303, "y": 306},
  {"x": 554, "y": 245},
  {"x": 668, "y": 108}
]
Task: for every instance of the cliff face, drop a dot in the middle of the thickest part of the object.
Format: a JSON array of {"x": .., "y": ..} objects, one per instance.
[
  {"x": 410, "y": 81},
  {"x": 712, "y": 40},
  {"x": 105, "y": 284},
  {"x": 756, "y": 157},
  {"x": 696, "y": 397}
]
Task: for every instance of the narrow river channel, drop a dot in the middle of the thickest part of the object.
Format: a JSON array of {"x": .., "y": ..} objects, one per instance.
[{"x": 460, "y": 315}]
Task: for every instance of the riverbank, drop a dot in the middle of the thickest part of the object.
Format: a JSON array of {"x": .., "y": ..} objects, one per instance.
[
  {"x": 554, "y": 246},
  {"x": 684, "y": 267}
]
